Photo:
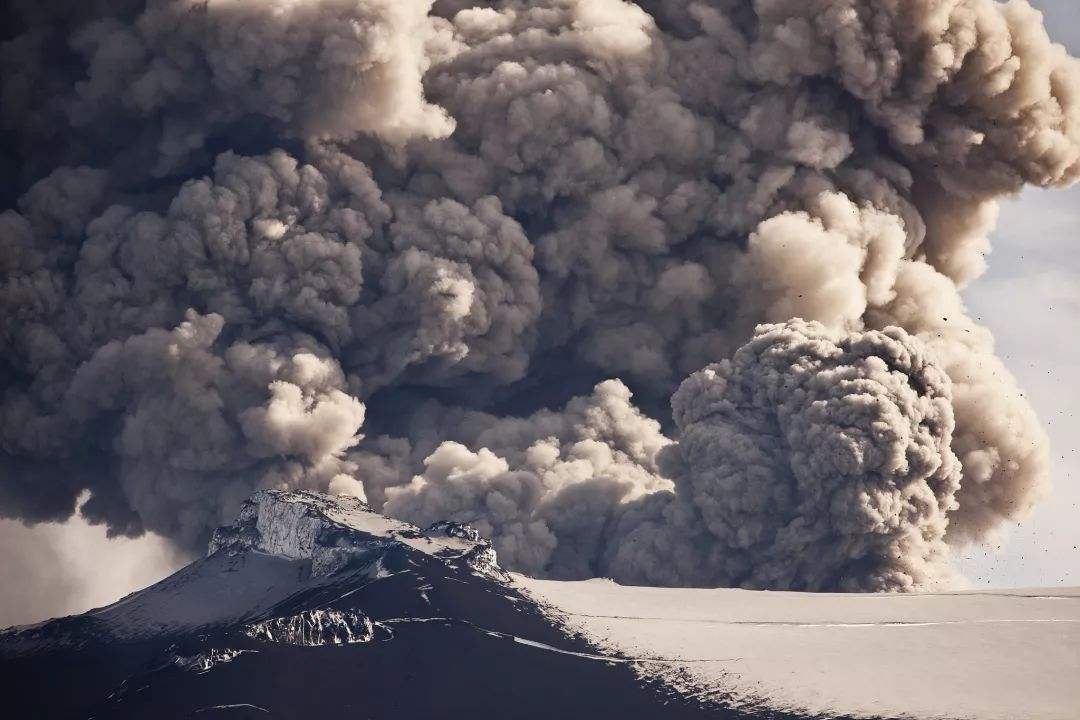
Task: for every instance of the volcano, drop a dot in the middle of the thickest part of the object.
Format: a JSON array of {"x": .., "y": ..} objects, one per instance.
[
  {"x": 316, "y": 606},
  {"x": 310, "y": 605}
]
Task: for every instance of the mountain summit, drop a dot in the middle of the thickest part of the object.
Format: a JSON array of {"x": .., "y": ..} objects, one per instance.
[
  {"x": 316, "y": 606},
  {"x": 309, "y": 605},
  {"x": 333, "y": 533}
]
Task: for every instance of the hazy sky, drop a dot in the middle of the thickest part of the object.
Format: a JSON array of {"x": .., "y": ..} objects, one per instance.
[
  {"x": 1030, "y": 299},
  {"x": 85, "y": 568}
]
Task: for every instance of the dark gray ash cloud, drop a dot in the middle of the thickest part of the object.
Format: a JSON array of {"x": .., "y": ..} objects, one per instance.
[{"x": 377, "y": 246}]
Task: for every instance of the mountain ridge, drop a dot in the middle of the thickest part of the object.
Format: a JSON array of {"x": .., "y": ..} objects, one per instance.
[{"x": 307, "y": 600}]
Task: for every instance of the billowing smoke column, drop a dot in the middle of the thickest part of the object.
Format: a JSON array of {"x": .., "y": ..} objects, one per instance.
[
  {"x": 810, "y": 460},
  {"x": 376, "y": 247}
]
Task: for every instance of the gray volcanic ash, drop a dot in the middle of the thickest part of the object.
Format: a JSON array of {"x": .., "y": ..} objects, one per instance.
[{"x": 374, "y": 246}]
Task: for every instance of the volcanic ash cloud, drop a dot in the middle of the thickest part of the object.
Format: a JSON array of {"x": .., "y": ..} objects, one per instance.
[{"x": 386, "y": 247}]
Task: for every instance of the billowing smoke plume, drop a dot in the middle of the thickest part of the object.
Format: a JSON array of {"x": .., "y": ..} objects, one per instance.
[
  {"x": 813, "y": 459},
  {"x": 810, "y": 460},
  {"x": 376, "y": 246},
  {"x": 544, "y": 488}
]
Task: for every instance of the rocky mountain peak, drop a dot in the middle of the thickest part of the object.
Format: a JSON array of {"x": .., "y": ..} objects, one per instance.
[{"x": 333, "y": 531}]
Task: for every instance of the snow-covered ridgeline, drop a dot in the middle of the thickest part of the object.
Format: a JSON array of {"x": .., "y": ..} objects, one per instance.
[
  {"x": 281, "y": 543},
  {"x": 298, "y": 526},
  {"x": 332, "y": 531}
]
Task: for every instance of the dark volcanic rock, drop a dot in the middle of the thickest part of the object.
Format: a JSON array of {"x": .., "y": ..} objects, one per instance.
[{"x": 311, "y": 606}]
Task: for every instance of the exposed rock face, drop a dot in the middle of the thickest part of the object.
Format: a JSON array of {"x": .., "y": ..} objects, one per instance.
[
  {"x": 296, "y": 526},
  {"x": 453, "y": 529},
  {"x": 315, "y": 627},
  {"x": 481, "y": 557},
  {"x": 332, "y": 532},
  {"x": 207, "y": 660}
]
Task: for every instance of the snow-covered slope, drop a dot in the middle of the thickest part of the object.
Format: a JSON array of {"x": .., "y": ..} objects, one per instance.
[
  {"x": 1007, "y": 655},
  {"x": 311, "y": 606},
  {"x": 282, "y": 543}
]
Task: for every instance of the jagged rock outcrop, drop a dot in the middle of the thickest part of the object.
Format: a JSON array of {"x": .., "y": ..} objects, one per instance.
[
  {"x": 332, "y": 532},
  {"x": 315, "y": 627},
  {"x": 481, "y": 557},
  {"x": 207, "y": 660}
]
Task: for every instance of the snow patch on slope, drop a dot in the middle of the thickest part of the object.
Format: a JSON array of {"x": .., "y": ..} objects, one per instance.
[
  {"x": 215, "y": 591},
  {"x": 988, "y": 656}
]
